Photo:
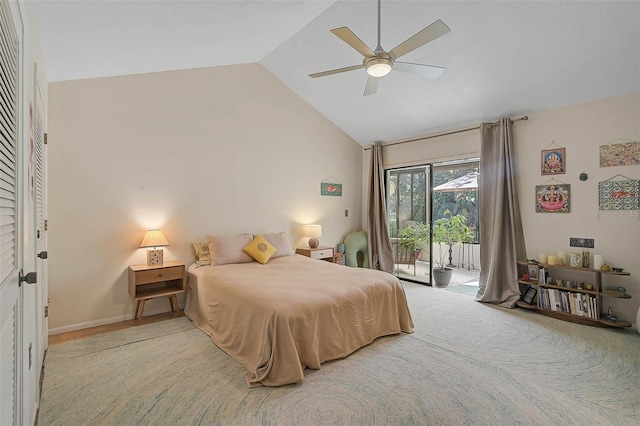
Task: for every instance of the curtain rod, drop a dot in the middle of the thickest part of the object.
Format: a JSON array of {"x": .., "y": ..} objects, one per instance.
[{"x": 453, "y": 132}]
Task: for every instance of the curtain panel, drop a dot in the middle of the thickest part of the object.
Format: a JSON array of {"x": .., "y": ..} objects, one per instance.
[
  {"x": 379, "y": 245},
  {"x": 500, "y": 222}
]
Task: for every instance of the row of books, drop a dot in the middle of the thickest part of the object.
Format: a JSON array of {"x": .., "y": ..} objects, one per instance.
[{"x": 580, "y": 304}]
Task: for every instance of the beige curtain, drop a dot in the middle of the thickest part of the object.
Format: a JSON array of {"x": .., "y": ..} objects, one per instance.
[
  {"x": 500, "y": 224},
  {"x": 379, "y": 245}
]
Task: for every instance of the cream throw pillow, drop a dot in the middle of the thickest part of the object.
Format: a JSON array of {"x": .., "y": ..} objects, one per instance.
[
  {"x": 280, "y": 241},
  {"x": 260, "y": 249},
  {"x": 228, "y": 249}
]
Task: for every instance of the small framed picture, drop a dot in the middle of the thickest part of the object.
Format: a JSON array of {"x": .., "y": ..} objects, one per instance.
[
  {"x": 553, "y": 198},
  {"x": 553, "y": 161},
  {"x": 533, "y": 272},
  {"x": 529, "y": 295}
]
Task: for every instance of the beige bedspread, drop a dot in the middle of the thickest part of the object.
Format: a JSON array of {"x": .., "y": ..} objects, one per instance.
[{"x": 293, "y": 313}]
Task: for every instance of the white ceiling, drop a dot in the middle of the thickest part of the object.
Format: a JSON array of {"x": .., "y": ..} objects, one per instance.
[{"x": 502, "y": 57}]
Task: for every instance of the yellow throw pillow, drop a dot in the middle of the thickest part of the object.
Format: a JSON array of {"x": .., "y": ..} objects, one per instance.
[
  {"x": 202, "y": 252},
  {"x": 260, "y": 249}
]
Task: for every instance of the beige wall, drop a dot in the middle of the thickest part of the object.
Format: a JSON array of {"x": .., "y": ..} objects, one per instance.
[
  {"x": 581, "y": 129},
  {"x": 205, "y": 151}
]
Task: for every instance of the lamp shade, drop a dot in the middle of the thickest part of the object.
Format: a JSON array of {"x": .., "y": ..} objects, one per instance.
[
  {"x": 154, "y": 238},
  {"x": 314, "y": 231}
]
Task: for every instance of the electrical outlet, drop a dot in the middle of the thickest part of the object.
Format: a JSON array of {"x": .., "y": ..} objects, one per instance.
[
  {"x": 581, "y": 242},
  {"x": 346, "y": 213}
]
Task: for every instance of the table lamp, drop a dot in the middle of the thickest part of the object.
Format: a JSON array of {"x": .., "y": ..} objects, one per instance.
[
  {"x": 154, "y": 238},
  {"x": 313, "y": 232}
]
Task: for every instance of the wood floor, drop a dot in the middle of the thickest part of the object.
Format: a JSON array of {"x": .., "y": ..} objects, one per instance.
[{"x": 86, "y": 332}]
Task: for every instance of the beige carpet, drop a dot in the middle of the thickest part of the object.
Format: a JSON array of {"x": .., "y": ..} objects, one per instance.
[{"x": 467, "y": 363}]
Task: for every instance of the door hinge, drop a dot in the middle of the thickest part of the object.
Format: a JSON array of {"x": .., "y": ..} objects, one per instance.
[
  {"x": 46, "y": 311},
  {"x": 46, "y": 225},
  {"x": 46, "y": 138}
]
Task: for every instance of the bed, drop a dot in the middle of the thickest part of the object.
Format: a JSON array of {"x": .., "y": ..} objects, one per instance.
[{"x": 293, "y": 312}]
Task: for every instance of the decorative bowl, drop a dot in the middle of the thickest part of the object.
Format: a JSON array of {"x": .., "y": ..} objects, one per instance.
[{"x": 617, "y": 269}]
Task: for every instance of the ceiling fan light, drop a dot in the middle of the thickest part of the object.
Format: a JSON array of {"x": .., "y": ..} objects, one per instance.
[{"x": 378, "y": 67}]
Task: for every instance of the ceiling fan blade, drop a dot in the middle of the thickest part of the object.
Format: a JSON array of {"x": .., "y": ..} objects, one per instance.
[
  {"x": 336, "y": 71},
  {"x": 432, "y": 32},
  {"x": 372, "y": 86},
  {"x": 419, "y": 69},
  {"x": 346, "y": 35}
]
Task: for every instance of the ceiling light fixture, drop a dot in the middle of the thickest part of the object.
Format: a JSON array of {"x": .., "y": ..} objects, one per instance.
[{"x": 378, "y": 67}]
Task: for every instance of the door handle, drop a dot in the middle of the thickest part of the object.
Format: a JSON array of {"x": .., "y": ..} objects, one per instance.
[
  {"x": 30, "y": 278},
  {"x": 43, "y": 254}
]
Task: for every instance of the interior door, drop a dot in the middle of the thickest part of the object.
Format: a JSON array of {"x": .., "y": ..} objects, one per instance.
[
  {"x": 10, "y": 221},
  {"x": 40, "y": 224}
]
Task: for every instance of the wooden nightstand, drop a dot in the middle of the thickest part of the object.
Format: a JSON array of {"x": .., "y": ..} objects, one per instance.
[
  {"x": 323, "y": 253},
  {"x": 151, "y": 281}
]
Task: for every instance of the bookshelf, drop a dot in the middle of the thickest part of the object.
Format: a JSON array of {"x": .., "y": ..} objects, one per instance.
[{"x": 579, "y": 305}]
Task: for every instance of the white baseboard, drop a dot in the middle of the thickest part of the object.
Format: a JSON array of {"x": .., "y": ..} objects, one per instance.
[{"x": 104, "y": 321}]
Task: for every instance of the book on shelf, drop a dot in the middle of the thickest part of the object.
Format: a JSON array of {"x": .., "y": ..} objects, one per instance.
[{"x": 542, "y": 275}]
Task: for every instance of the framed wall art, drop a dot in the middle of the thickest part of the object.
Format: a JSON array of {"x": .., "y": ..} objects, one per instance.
[
  {"x": 529, "y": 295},
  {"x": 533, "y": 272},
  {"x": 553, "y": 198},
  {"x": 553, "y": 161}
]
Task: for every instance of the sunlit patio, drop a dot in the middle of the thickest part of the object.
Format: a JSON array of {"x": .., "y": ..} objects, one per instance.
[{"x": 466, "y": 268}]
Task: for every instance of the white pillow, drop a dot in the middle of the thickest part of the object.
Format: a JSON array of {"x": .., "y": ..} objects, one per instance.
[
  {"x": 280, "y": 241},
  {"x": 229, "y": 249}
]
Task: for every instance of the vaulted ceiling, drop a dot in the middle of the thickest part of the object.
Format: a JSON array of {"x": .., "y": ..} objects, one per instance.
[{"x": 501, "y": 57}]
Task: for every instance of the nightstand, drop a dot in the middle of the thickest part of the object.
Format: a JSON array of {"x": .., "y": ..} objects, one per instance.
[
  {"x": 323, "y": 253},
  {"x": 151, "y": 281}
]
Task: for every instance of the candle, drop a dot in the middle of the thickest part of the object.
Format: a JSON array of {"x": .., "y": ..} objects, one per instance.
[
  {"x": 542, "y": 258},
  {"x": 551, "y": 259},
  {"x": 598, "y": 261},
  {"x": 562, "y": 258}
]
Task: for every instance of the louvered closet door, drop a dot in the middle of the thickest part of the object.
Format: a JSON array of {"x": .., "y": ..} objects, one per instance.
[
  {"x": 9, "y": 219},
  {"x": 41, "y": 210}
]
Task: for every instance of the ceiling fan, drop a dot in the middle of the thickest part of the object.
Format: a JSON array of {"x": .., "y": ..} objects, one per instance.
[{"x": 379, "y": 62}]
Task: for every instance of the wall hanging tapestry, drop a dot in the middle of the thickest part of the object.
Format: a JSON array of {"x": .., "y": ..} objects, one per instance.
[
  {"x": 620, "y": 154},
  {"x": 331, "y": 187},
  {"x": 618, "y": 193}
]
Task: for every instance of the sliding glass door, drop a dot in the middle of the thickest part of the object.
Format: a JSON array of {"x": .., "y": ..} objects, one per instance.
[
  {"x": 408, "y": 211},
  {"x": 430, "y": 196}
]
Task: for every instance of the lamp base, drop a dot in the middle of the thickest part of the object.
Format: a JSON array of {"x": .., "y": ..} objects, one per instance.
[
  {"x": 313, "y": 242},
  {"x": 155, "y": 257}
]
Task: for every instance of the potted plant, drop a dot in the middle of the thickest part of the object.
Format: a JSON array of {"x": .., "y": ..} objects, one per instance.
[
  {"x": 413, "y": 238},
  {"x": 449, "y": 230}
]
